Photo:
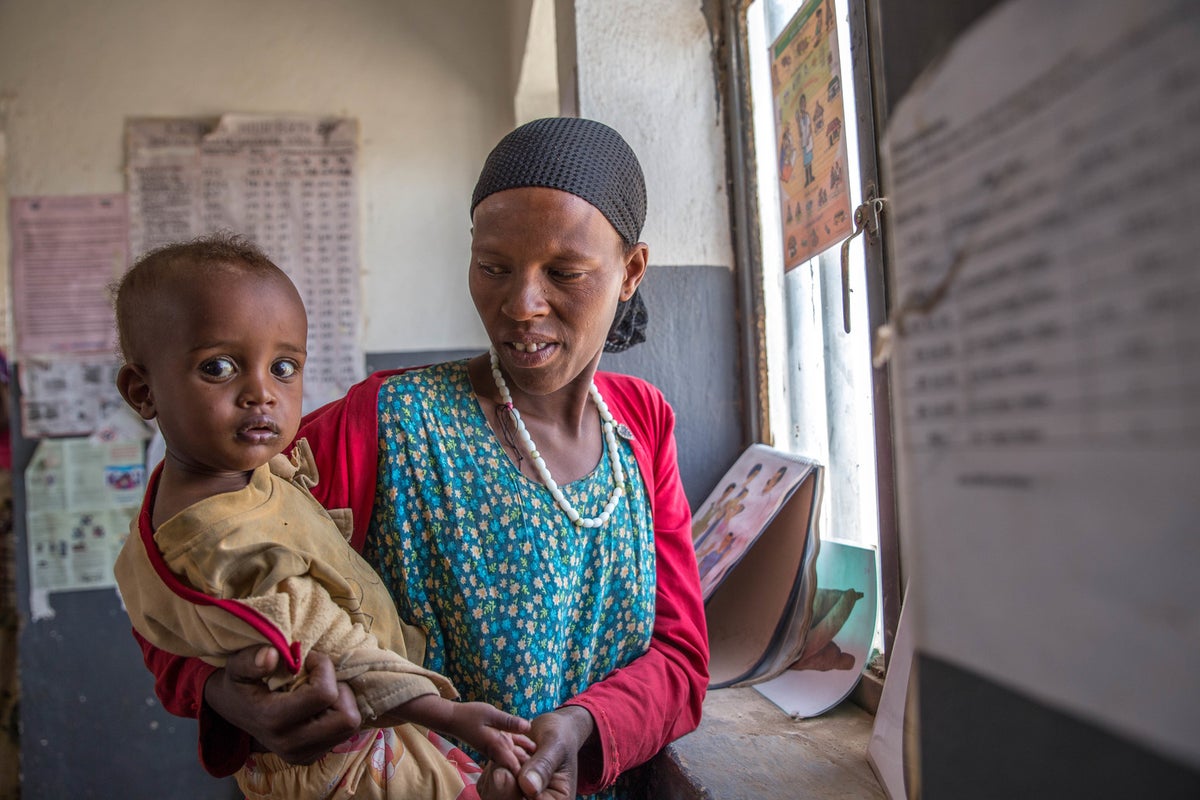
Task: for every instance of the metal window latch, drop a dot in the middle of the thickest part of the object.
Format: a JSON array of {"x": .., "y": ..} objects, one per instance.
[{"x": 866, "y": 220}]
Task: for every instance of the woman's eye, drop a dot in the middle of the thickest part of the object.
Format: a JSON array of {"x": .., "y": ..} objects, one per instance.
[
  {"x": 285, "y": 368},
  {"x": 218, "y": 368}
]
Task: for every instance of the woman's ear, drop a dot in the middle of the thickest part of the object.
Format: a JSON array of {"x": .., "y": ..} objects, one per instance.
[
  {"x": 133, "y": 386},
  {"x": 635, "y": 269}
]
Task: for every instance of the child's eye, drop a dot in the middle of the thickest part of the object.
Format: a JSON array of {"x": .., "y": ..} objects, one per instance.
[
  {"x": 220, "y": 367},
  {"x": 285, "y": 368}
]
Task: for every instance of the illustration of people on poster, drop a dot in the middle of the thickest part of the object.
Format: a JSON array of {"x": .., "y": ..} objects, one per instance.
[
  {"x": 806, "y": 86},
  {"x": 728, "y": 523}
]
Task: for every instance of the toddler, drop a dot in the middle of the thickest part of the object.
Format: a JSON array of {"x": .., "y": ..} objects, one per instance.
[{"x": 230, "y": 550}]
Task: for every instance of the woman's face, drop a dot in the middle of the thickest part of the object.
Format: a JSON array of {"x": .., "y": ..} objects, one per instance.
[{"x": 547, "y": 271}]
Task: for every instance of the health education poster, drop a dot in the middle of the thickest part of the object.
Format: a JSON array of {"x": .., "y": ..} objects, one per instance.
[
  {"x": 806, "y": 86},
  {"x": 81, "y": 495}
]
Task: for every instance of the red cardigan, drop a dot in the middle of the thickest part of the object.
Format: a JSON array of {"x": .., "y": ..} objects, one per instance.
[{"x": 638, "y": 708}]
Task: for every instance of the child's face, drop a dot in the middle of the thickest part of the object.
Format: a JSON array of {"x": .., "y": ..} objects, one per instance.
[{"x": 225, "y": 377}]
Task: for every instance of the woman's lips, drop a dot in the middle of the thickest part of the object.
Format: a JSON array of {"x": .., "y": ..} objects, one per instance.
[{"x": 529, "y": 354}]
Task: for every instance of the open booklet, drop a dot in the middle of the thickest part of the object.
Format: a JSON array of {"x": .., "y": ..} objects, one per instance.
[{"x": 756, "y": 545}]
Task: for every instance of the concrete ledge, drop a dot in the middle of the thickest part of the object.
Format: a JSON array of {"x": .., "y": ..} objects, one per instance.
[{"x": 746, "y": 747}]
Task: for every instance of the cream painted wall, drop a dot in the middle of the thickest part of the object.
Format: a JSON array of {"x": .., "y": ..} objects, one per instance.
[
  {"x": 646, "y": 69},
  {"x": 430, "y": 83},
  {"x": 537, "y": 82}
]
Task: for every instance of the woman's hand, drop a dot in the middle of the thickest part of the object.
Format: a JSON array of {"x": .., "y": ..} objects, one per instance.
[
  {"x": 497, "y": 783},
  {"x": 299, "y": 726},
  {"x": 552, "y": 771}
]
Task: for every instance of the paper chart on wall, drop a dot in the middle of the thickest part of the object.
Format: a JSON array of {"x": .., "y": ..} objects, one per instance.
[
  {"x": 288, "y": 183},
  {"x": 68, "y": 396},
  {"x": 5, "y": 272},
  {"x": 81, "y": 497},
  {"x": 66, "y": 250},
  {"x": 1048, "y": 439}
]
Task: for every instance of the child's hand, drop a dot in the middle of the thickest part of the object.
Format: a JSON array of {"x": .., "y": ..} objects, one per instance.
[
  {"x": 551, "y": 771},
  {"x": 497, "y": 734}
]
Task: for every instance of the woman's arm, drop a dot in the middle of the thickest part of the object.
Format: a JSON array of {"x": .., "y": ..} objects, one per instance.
[
  {"x": 657, "y": 697},
  {"x": 235, "y": 709},
  {"x": 623, "y": 720},
  {"x": 300, "y": 725}
]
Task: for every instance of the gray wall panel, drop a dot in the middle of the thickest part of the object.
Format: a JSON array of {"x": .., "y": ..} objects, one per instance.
[
  {"x": 984, "y": 741},
  {"x": 690, "y": 353}
]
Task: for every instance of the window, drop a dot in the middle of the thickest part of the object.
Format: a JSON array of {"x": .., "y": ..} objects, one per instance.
[{"x": 819, "y": 394}]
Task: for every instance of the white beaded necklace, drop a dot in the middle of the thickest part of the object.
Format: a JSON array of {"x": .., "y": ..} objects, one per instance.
[{"x": 610, "y": 437}]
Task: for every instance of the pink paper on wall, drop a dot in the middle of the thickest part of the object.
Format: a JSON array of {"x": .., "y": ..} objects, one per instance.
[{"x": 65, "y": 251}]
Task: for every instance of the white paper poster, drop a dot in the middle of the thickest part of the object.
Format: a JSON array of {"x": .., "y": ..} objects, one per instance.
[
  {"x": 838, "y": 642},
  {"x": 806, "y": 89},
  {"x": 68, "y": 396},
  {"x": 81, "y": 497},
  {"x": 288, "y": 183},
  {"x": 1048, "y": 437}
]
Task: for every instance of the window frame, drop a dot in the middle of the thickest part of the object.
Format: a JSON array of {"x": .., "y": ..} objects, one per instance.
[{"x": 733, "y": 54}]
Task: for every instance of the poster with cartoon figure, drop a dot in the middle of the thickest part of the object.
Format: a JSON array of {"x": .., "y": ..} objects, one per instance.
[{"x": 806, "y": 86}]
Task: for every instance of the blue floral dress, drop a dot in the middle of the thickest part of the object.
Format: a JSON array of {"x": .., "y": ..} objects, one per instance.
[{"x": 521, "y": 608}]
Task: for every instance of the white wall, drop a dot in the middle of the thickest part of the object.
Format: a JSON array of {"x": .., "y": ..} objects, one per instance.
[
  {"x": 430, "y": 83},
  {"x": 645, "y": 68},
  {"x": 537, "y": 80}
]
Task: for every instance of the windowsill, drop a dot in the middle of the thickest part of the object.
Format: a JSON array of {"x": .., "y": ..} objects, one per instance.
[
  {"x": 746, "y": 747},
  {"x": 867, "y": 693}
]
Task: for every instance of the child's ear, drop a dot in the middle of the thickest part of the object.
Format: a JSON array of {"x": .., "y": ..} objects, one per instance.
[{"x": 132, "y": 384}]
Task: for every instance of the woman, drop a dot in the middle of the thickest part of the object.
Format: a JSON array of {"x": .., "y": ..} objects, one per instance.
[{"x": 524, "y": 509}]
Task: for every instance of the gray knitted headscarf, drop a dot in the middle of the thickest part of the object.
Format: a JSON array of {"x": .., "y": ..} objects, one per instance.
[{"x": 589, "y": 160}]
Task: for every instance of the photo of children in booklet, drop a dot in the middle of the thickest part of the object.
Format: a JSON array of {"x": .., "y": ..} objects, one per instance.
[
  {"x": 731, "y": 519},
  {"x": 756, "y": 545}
]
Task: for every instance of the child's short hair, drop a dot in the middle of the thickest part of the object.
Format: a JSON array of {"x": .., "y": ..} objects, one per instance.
[{"x": 163, "y": 267}]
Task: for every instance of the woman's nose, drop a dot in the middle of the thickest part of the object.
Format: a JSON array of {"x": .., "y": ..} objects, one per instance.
[{"x": 525, "y": 299}]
